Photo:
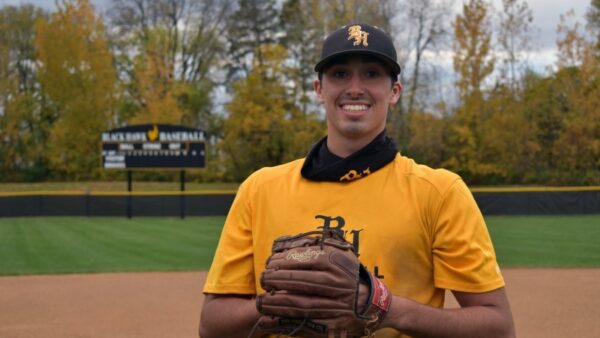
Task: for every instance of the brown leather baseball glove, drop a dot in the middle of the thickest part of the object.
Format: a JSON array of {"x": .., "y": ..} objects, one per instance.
[{"x": 312, "y": 282}]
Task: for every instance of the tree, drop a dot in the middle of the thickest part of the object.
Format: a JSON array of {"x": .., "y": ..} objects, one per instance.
[
  {"x": 190, "y": 34},
  {"x": 473, "y": 63},
  {"x": 24, "y": 120},
  {"x": 578, "y": 144},
  {"x": 514, "y": 36},
  {"x": 255, "y": 23},
  {"x": 254, "y": 132},
  {"x": 424, "y": 29},
  {"x": 571, "y": 45},
  {"x": 593, "y": 20},
  {"x": 426, "y": 20},
  {"x": 77, "y": 75},
  {"x": 508, "y": 139},
  {"x": 264, "y": 126},
  {"x": 302, "y": 23},
  {"x": 342, "y": 12},
  {"x": 472, "y": 52},
  {"x": 428, "y": 138},
  {"x": 156, "y": 90}
]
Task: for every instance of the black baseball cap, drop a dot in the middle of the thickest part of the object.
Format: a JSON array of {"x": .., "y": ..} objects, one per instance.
[{"x": 359, "y": 38}]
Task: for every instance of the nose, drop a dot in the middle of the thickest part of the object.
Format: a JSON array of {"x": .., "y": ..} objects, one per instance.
[{"x": 355, "y": 87}]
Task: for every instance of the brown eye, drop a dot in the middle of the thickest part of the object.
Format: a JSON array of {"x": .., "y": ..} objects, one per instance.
[
  {"x": 339, "y": 74},
  {"x": 373, "y": 74}
]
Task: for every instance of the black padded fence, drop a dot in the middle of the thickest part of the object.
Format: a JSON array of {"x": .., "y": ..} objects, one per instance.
[
  {"x": 123, "y": 205},
  {"x": 539, "y": 202},
  {"x": 491, "y": 202}
]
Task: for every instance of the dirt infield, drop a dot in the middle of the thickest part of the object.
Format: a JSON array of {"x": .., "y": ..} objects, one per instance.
[{"x": 545, "y": 303}]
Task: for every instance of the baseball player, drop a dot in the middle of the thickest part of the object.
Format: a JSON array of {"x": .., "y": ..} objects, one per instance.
[{"x": 415, "y": 231}]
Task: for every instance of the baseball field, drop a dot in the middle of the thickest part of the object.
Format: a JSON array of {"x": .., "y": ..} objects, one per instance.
[{"x": 142, "y": 277}]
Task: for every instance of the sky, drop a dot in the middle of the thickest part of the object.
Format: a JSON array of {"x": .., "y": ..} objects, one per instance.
[{"x": 546, "y": 17}]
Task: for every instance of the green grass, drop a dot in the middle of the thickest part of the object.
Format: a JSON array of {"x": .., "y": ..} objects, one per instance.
[
  {"x": 56, "y": 245},
  {"x": 95, "y": 244},
  {"x": 546, "y": 241}
]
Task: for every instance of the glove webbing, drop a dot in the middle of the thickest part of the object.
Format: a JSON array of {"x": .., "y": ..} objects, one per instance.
[{"x": 288, "y": 322}]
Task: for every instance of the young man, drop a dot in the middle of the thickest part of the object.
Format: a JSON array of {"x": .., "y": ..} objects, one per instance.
[{"x": 419, "y": 229}]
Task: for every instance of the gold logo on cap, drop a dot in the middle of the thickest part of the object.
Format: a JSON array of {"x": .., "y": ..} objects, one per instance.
[{"x": 355, "y": 32}]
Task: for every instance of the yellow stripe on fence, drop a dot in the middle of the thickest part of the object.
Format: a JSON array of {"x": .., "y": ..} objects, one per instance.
[
  {"x": 533, "y": 189},
  {"x": 115, "y": 193},
  {"x": 232, "y": 192}
]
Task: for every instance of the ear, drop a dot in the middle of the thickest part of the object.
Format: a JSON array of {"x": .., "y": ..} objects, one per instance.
[
  {"x": 395, "y": 95},
  {"x": 318, "y": 89}
]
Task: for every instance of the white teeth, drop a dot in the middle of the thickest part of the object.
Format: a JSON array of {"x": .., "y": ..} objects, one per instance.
[{"x": 355, "y": 107}]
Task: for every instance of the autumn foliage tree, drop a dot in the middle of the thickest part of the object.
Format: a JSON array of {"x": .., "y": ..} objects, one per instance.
[
  {"x": 77, "y": 75},
  {"x": 155, "y": 86},
  {"x": 166, "y": 52},
  {"x": 577, "y": 147},
  {"x": 473, "y": 63},
  {"x": 24, "y": 120},
  {"x": 263, "y": 123}
]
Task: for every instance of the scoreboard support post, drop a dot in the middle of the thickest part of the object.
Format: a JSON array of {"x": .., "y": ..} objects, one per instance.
[
  {"x": 182, "y": 195},
  {"x": 129, "y": 189}
]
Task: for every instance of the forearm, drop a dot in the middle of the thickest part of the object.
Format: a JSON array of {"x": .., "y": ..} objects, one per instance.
[
  {"x": 418, "y": 320},
  {"x": 227, "y": 316}
]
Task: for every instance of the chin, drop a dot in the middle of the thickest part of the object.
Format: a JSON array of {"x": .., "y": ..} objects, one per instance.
[{"x": 355, "y": 131}]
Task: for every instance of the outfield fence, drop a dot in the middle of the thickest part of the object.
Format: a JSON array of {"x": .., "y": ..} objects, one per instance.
[{"x": 492, "y": 201}]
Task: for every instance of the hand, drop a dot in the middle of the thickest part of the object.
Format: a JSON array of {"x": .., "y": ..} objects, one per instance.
[{"x": 316, "y": 287}]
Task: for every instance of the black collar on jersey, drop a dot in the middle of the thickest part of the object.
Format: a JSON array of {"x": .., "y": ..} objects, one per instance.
[{"x": 321, "y": 165}]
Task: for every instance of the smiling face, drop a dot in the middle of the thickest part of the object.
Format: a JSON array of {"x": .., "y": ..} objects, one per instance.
[{"x": 356, "y": 92}]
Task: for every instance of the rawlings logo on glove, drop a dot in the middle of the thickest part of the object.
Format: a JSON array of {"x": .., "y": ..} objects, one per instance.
[{"x": 304, "y": 256}]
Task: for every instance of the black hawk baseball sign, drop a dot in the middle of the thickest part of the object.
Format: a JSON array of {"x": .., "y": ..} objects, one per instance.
[{"x": 153, "y": 146}]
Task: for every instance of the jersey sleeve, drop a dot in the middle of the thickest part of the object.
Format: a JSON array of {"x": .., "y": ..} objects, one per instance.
[
  {"x": 232, "y": 269},
  {"x": 463, "y": 254}
]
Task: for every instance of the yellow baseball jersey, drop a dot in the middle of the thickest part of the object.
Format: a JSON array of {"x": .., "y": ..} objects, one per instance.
[{"x": 418, "y": 228}]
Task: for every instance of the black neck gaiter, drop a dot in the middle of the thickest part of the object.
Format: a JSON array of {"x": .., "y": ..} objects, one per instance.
[{"x": 322, "y": 165}]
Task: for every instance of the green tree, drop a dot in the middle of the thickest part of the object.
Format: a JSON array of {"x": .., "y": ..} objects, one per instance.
[{"x": 77, "y": 74}]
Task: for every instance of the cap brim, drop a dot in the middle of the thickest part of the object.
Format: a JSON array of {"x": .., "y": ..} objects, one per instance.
[{"x": 384, "y": 58}]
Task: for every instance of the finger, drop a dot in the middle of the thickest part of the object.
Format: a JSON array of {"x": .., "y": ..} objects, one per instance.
[
  {"x": 309, "y": 282},
  {"x": 301, "y": 306}
]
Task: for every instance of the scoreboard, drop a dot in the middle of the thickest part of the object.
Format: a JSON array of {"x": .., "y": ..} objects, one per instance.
[{"x": 153, "y": 146}]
